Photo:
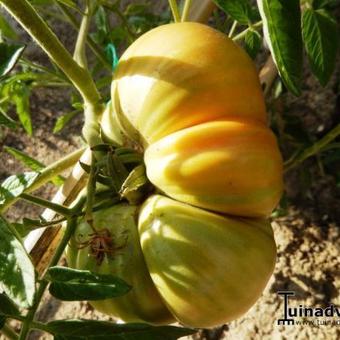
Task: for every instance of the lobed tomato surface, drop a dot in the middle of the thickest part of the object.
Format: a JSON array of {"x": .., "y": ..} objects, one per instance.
[{"x": 191, "y": 98}]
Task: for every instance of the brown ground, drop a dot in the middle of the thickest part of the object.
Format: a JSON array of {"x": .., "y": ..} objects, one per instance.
[{"x": 307, "y": 237}]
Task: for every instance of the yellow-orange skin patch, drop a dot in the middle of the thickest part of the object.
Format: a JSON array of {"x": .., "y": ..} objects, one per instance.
[{"x": 232, "y": 167}]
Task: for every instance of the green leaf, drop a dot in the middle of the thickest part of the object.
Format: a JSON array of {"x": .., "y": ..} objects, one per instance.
[
  {"x": 239, "y": 10},
  {"x": 111, "y": 55},
  {"x": 6, "y": 30},
  {"x": 320, "y": 36},
  {"x": 101, "y": 20},
  {"x": 127, "y": 155},
  {"x": 77, "y": 285},
  {"x": 24, "y": 158},
  {"x": 324, "y": 3},
  {"x": 41, "y": 2},
  {"x": 104, "y": 147},
  {"x": 63, "y": 120},
  {"x": 69, "y": 3},
  {"x": 7, "y": 121},
  {"x": 253, "y": 41},
  {"x": 136, "y": 185},
  {"x": 282, "y": 30},
  {"x": 21, "y": 99},
  {"x": 102, "y": 330},
  {"x": 116, "y": 170},
  {"x": 30, "y": 162},
  {"x": 9, "y": 55},
  {"x": 7, "y": 306},
  {"x": 17, "y": 276},
  {"x": 15, "y": 185},
  {"x": 102, "y": 34}
]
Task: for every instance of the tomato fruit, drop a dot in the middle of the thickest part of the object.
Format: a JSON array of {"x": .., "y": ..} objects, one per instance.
[
  {"x": 111, "y": 131},
  {"x": 232, "y": 167},
  {"x": 125, "y": 260},
  {"x": 192, "y": 99},
  {"x": 179, "y": 75},
  {"x": 209, "y": 269}
]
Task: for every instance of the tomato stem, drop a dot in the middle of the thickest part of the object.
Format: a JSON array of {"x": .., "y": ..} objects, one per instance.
[
  {"x": 174, "y": 10},
  {"x": 232, "y": 29},
  {"x": 47, "y": 204},
  {"x": 71, "y": 226},
  {"x": 37, "y": 28},
  {"x": 91, "y": 189},
  {"x": 186, "y": 9},
  {"x": 75, "y": 70},
  {"x": 242, "y": 34},
  {"x": 93, "y": 46},
  {"x": 312, "y": 150},
  {"x": 80, "y": 51}
]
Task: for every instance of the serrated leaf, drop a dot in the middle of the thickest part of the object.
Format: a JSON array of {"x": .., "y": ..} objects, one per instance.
[
  {"x": 6, "y": 30},
  {"x": 77, "y": 285},
  {"x": 30, "y": 162},
  {"x": 15, "y": 185},
  {"x": 239, "y": 10},
  {"x": 7, "y": 306},
  {"x": 17, "y": 276},
  {"x": 324, "y": 3},
  {"x": 63, "y": 120},
  {"x": 282, "y": 31},
  {"x": 253, "y": 41},
  {"x": 9, "y": 55},
  {"x": 320, "y": 36},
  {"x": 21, "y": 99},
  {"x": 104, "y": 330},
  {"x": 7, "y": 121}
]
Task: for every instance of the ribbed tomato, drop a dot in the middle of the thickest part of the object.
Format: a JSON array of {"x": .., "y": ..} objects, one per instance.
[
  {"x": 209, "y": 269},
  {"x": 193, "y": 100},
  {"x": 232, "y": 167},
  {"x": 179, "y": 75},
  {"x": 111, "y": 131},
  {"x": 125, "y": 260}
]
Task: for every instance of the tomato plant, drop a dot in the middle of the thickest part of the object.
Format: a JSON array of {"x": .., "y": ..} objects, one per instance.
[{"x": 164, "y": 213}]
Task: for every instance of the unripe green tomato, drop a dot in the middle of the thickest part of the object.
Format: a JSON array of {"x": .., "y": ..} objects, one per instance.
[
  {"x": 209, "y": 269},
  {"x": 232, "y": 167},
  {"x": 142, "y": 303},
  {"x": 180, "y": 75}
]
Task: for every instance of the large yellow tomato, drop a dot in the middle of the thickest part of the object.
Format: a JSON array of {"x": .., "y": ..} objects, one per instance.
[
  {"x": 179, "y": 75},
  {"x": 232, "y": 167},
  {"x": 124, "y": 260},
  {"x": 209, "y": 269},
  {"x": 192, "y": 99}
]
